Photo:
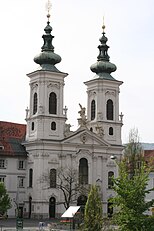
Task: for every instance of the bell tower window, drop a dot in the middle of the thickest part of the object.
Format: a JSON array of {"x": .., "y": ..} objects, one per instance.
[
  {"x": 111, "y": 131},
  {"x": 35, "y": 103},
  {"x": 52, "y": 103},
  {"x": 32, "y": 127},
  {"x": 109, "y": 110},
  {"x": 53, "y": 126},
  {"x": 93, "y": 109}
]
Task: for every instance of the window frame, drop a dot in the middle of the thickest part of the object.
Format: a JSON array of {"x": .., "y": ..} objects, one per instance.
[
  {"x": 2, "y": 178},
  {"x": 111, "y": 131},
  {"x": 30, "y": 178},
  {"x": 53, "y": 178},
  {"x": 35, "y": 103},
  {"x": 53, "y": 126},
  {"x": 110, "y": 181},
  {"x": 93, "y": 109},
  {"x": 52, "y": 103},
  {"x": 109, "y": 110},
  {"x": 2, "y": 163},
  {"x": 21, "y": 164},
  {"x": 83, "y": 171},
  {"x": 21, "y": 182}
]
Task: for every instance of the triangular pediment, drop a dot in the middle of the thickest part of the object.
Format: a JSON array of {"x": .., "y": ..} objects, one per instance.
[{"x": 84, "y": 136}]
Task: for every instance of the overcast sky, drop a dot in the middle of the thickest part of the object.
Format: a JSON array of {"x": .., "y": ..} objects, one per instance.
[{"x": 77, "y": 29}]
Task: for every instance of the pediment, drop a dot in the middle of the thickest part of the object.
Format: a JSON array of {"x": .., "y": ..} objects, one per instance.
[{"x": 85, "y": 137}]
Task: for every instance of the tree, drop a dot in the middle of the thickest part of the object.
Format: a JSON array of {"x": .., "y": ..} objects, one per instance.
[
  {"x": 131, "y": 189},
  {"x": 5, "y": 202},
  {"x": 67, "y": 181},
  {"x": 93, "y": 211},
  {"x": 130, "y": 199},
  {"x": 133, "y": 152},
  {"x": 68, "y": 184}
]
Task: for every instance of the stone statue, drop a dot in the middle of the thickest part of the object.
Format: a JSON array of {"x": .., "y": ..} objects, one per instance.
[{"x": 83, "y": 119}]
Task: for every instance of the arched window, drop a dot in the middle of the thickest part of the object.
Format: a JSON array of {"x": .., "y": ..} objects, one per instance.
[
  {"x": 109, "y": 110},
  {"x": 111, "y": 131},
  {"x": 110, "y": 208},
  {"x": 93, "y": 109},
  {"x": 53, "y": 178},
  {"x": 83, "y": 171},
  {"x": 30, "y": 177},
  {"x": 53, "y": 126},
  {"x": 110, "y": 180},
  {"x": 91, "y": 129},
  {"x": 32, "y": 126},
  {"x": 35, "y": 103},
  {"x": 52, "y": 103}
]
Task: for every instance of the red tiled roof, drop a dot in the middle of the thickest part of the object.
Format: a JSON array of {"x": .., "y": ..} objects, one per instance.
[
  {"x": 11, "y": 136},
  {"x": 149, "y": 157},
  {"x": 149, "y": 153}
]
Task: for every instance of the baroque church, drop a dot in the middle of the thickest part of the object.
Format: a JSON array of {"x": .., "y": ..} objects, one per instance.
[{"x": 46, "y": 144}]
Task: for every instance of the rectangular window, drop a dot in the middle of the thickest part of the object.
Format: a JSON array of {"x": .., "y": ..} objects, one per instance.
[
  {"x": 21, "y": 182},
  {"x": 21, "y": 164},
  {"x": 2, "y": 163},
  {"x": 2, "y": 179}
]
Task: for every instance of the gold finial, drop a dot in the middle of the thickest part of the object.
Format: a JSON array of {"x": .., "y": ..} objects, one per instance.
[
  {"x": 48, "y": 8},
  {"x": 103, "y": 27}
]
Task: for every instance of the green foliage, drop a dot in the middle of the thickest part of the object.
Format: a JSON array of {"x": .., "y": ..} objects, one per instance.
[
  {"x": 133, "y": 152},
  {"x": 130, "y": 199},
  {"x": 93, "y": 211},
  {"x": 131, "y": 189},
  {"x": 5, "y": 202}
]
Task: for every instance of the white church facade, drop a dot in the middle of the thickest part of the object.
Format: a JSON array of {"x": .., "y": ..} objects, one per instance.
[{"x": 51, "y": 145}]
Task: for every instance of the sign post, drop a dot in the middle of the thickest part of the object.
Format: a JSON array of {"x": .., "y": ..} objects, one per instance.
[{"x": 69, "y": 213}]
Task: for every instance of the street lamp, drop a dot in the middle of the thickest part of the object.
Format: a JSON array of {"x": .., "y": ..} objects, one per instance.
[{"x": 113, "y": 157}]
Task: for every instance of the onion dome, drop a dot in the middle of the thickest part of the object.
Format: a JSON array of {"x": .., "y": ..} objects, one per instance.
[
  {"x": 47, "y": 58},
  {"x": 103, "y": 68}
]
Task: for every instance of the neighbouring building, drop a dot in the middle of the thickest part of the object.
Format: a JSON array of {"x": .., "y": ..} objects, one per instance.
[
  {"x": 149, "y": 158},
  {"x": 13, "y": 163},
  {"x": 49, "y": 143}
]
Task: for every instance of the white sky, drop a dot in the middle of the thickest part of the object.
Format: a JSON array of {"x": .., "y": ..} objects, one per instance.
[{"x": 77, "y": 29}]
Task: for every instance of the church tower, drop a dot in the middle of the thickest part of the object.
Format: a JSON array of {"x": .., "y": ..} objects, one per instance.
[
  {"x": 46, "y": 116},
  {"x": 46, "y": 119},
  {"x": 103, "y": 97}
]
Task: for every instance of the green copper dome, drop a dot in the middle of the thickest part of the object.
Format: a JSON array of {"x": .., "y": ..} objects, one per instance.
[
  {"x": 47, "y": 58},
  {"x": 103, "y": 68}
]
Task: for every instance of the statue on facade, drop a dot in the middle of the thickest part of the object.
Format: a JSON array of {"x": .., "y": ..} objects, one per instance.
[
  {"x": 67, "y": 130},
  {"x": 82, "y": 120}
]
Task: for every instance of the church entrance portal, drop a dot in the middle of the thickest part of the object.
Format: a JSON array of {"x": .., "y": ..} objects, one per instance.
[{"x": 52, "y": 207}]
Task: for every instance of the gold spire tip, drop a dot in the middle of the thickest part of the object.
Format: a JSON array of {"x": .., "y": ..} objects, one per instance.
[
  {"x": 103, "y": 27},
  {"x": 48, "y": 8}
]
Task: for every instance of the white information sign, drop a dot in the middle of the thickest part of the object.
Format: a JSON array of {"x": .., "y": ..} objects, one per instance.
[{"x": 71, "y": 211}]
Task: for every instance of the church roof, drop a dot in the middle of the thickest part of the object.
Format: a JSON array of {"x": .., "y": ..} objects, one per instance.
[{"x": 11, "y": 137}]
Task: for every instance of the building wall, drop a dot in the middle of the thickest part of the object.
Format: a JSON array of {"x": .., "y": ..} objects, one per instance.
[{"x": 12, "y": 175}]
